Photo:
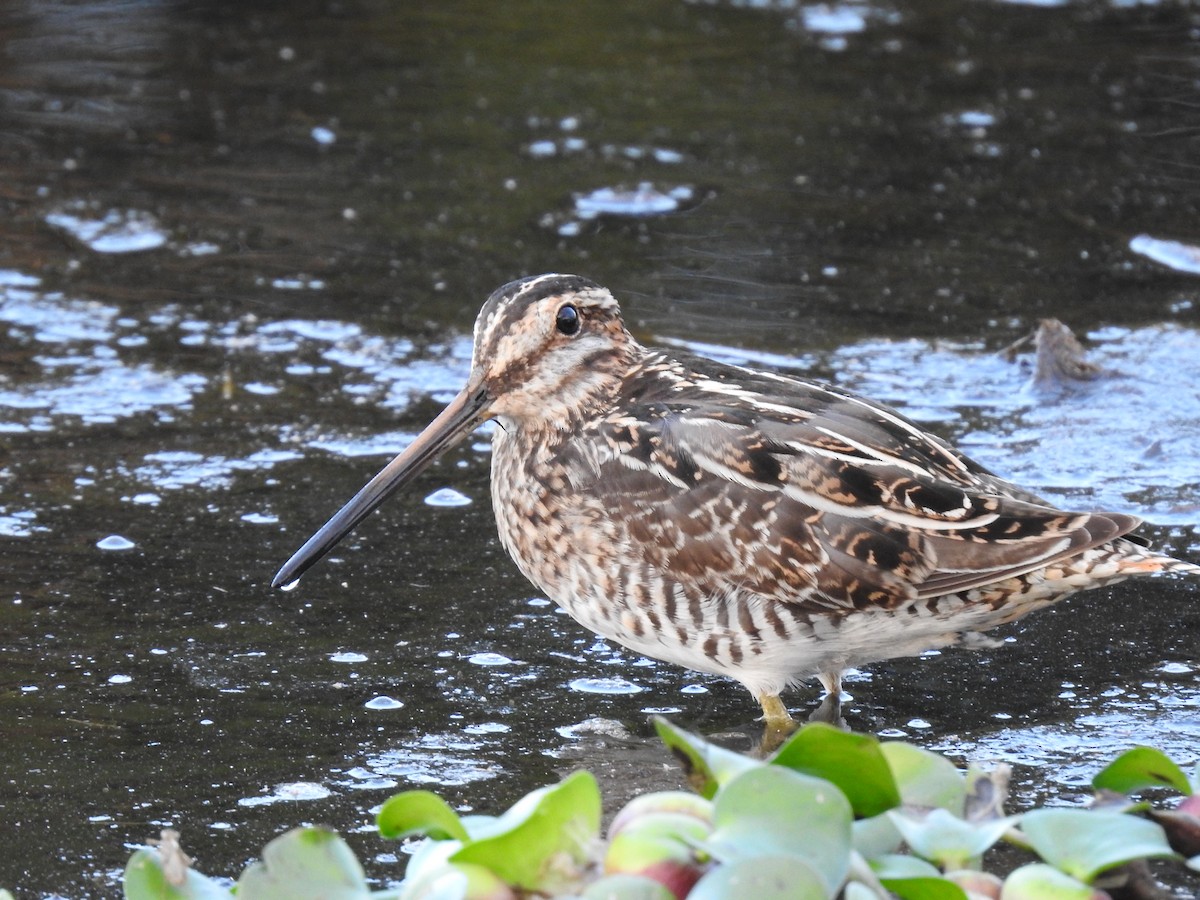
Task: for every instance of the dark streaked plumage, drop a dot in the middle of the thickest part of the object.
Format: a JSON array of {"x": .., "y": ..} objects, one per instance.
[{"x": 739, "y": 522}]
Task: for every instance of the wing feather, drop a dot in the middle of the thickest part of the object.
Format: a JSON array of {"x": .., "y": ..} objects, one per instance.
[{"x": 806, "y": 493}]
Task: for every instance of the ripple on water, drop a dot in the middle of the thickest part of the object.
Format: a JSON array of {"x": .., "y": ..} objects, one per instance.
[
  {"x": 439, "y": 759},
  {"x": 286, "y": 793},
  {"x": 21, "y": 523},
  {"x": 115, "y": 231},
  {"x": 54, "y": 319},
  {"x": 614, "y": 685},
  {"x": 1173, "y": 254},
  {"x": 1128, "y": 441},
  {"x": 177, "y": 469},
  {"x": 13, "y": 278},
  {"x": 84, "y": 377},
  {"x": 324, "y": 331},
  {"x": 489, "y": 659},
  {"x": 363, "y": 779},
  {"x": 447, "y": 497},
  {"x": 384, "y": 702},
  {"x": 115, "y": 542},
  {"x": 644, "y": 200},
  {"x": 1070, "y": 753},
  {"x": 387, "y": 443}
]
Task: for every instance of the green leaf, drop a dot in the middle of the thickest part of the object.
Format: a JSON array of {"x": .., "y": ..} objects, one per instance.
[
  {"x": 914, "y": 879},
  {"x": 899, "y": 866},
  {"x": 975, "y": 882},
  {"x": 1141, "y": 768},
  {"x": 773, "y": 811},
  {"x": 925, "y": 779},
  {"x": 767, "y": 877},
  {"x": 947, "y": 840},
  {"x": 543, "y": 838},
  {"x": 1038, "y": 881},
  {"x": 876, "y": 836},
  {"x": 146, "y": 880},
  {"x": 419, "y": 812},
  {"x": 706, "y": 765},
  {"x": 926, "y": 889},
  {"x": 301, "y": 864},
  {"x": 853, "y": 762},
  {"x": 626, "y": 887},
  {"x": 1083, "y": 843}
]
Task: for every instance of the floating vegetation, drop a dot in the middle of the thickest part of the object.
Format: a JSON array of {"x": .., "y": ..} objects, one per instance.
[{"x": 830, "y": 815}]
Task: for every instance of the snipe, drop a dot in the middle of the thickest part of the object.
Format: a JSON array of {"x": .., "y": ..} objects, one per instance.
[{"x": 744, "y": 523}]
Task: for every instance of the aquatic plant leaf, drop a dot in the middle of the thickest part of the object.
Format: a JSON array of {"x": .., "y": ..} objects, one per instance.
[
  {"x": 1141, "y": 768},
  {"x": 538, "y": 844},
  {"x": 853, "y": 762},
  {"x": 453, "y": 881},
  {"x": 947, "y": 840},
  {"x": 626, "y": 887},
  {"x": 301, "y": 864},
  {"x": 429, "y": 862},
  {"x": 766, "y": 877},
  {"x": 925, "y": 779},
  {"x": 1039, "y": 881},
  {"x": 856, "y": 890},
  {"x": 146, "y": 880},
  {"x": 773, "y": 811},
  {"x": 678, "y": 803},
  {"x": 914, "y": 879},
  {"x": 876, "y": 836},
  {"x": 900, "y": 865},
  {"x": 706, "y": 765},
  {"x": 1083, "y": 843},
  {"x": 925, "y": 889},
  {"x": 419, "y": 812}
]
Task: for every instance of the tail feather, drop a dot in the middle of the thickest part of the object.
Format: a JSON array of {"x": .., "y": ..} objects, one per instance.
[{"x": 1138, "y": 560}]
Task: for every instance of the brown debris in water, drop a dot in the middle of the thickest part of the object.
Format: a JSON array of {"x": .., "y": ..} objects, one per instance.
[{"x": 1060, "y": 360}]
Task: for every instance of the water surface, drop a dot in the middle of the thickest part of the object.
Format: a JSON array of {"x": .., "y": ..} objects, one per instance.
[{"x": 240, "y": 254}]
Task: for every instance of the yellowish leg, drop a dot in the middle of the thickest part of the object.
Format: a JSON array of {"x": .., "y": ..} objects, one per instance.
[
  {"x": 775, "y": 714},
  {"x": 779, "y": 724}
]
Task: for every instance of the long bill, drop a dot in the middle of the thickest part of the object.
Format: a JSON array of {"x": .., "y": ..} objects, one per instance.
[{"x": 463, "y": 414}]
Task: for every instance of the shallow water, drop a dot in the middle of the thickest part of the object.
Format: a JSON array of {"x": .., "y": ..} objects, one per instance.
[{"x": 240, "y": 254}]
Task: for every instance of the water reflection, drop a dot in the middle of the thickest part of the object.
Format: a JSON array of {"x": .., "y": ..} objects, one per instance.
[{"x": 239, "y": 256}]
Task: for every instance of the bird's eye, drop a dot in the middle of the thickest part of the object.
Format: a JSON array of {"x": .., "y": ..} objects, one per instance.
[{"x": 567, "y": 320}]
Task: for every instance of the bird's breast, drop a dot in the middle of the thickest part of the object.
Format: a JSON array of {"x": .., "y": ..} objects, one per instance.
[{"x": 554, "y": 532}]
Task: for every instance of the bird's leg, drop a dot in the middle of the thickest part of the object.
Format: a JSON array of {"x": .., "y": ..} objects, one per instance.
[
  {"x": 830, "y": 710},
  {"x": 832, "y": 682},
  {"x": 775, "y": 714},
  {"x": 778, "y": 723}
]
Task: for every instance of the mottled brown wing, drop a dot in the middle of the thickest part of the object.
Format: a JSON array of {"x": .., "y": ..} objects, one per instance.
[{"x": 816, "y": 496}]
